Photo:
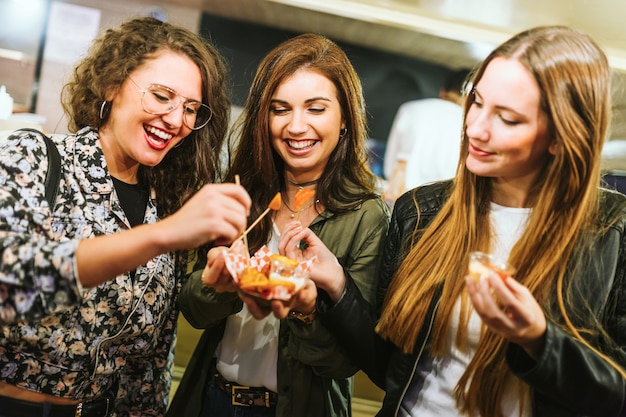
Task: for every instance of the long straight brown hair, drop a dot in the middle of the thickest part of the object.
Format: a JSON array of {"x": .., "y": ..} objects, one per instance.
[
  {"x": 347, "y": 179},
  {"x": 573, "y": 77}
]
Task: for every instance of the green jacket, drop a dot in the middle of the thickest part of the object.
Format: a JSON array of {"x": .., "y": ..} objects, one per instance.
[{"x": 314, "y": 373}]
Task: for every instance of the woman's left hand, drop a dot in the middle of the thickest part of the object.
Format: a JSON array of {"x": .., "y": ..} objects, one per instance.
[
  {"x": 301, "y": 243},
  {"x": 509, "y": 309}
]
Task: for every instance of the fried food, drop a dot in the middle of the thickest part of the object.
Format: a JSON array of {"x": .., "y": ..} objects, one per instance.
[{"x": 278, "y": 275}]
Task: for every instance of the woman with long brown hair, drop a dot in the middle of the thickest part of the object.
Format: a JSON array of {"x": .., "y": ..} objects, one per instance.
[
  {"x": 303, "y": 127},
  {"x": 548, "y": 341}
]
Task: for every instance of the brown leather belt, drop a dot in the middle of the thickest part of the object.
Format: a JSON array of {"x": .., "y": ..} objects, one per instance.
[
  {"x": 246, "y": 396},
  {"x": 102, "y": 407}
]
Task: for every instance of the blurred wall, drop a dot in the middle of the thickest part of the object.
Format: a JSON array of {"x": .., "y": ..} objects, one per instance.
[
  {"x": 112, "y": 12},
  {"x": 21, "y": 34},
  {"x": 388, "y": 79}
]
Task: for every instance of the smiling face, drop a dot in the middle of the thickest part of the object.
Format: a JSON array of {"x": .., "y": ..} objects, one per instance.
[
  {"x": 133, "y": 137},
  {"x": 506, "y": 127},
  {"x": 305, "y": 123}
]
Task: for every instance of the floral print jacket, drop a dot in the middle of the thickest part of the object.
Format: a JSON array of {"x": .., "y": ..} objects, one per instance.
[{"x": 55, "y": 336}]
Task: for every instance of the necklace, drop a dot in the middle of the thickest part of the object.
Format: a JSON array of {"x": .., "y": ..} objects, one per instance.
[
  {"x": 294, "y": 212},
  {"x": 303, "y": 184}
]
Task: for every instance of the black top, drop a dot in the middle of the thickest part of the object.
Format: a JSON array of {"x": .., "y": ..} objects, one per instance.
[{"x": 133, "y": 199}]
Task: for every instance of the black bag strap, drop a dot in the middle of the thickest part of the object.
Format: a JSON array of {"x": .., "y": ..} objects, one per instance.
[{"x": 53, "y": 176}]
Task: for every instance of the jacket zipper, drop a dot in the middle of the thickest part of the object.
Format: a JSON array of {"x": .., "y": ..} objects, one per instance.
[{"x": 419, "y": 355}]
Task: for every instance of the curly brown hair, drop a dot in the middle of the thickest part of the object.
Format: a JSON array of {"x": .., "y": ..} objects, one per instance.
[{"x": 117, "y": 53}]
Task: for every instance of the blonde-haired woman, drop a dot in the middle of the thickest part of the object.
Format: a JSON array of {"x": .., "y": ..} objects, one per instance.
[{"x": 548, "y": 341}]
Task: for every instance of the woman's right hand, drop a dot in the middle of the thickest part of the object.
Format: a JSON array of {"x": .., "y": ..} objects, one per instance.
[
  {"x": 216, "y": 213},
  {"x": 215, "y": 273}
]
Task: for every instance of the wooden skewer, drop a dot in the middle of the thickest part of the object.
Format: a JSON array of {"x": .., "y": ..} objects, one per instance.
[
  {"x": 245, "y": 238},
  {"x": 274, "y": 205}
]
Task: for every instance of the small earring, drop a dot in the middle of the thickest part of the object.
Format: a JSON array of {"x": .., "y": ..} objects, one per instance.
[
  {"x": 103, "y": 109},
  {"x": 343, "y": 132}
]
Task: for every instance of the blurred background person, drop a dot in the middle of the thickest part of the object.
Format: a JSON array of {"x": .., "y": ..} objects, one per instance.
[{"x": 425, "y": 138}]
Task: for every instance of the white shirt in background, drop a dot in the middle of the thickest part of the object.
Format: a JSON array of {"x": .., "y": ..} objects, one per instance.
[{"x": 427, "y": 134}]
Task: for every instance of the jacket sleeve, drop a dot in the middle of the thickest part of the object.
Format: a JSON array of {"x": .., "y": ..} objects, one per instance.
[
  {"x": 569, "y": 373},
  {"x": 37, "y": 272},
  {"x": 353, "y": 318},
  {"x": 360, "y": 236},
  {"x": 202, "y": 306}
]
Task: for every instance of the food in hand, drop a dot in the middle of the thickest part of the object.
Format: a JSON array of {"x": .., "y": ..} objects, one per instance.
[
  {"x": 278, "y": 272},
  {"x": 276, "y": 202},
  {"x": 268, "y": 276},
  {"x": 483, "y": 265}
]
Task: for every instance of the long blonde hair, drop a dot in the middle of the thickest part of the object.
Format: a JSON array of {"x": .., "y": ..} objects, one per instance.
[{"x": 573, "y": 76}]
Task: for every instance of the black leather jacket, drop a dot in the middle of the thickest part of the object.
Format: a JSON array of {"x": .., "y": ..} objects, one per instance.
[{"x": 568, "y": 380}]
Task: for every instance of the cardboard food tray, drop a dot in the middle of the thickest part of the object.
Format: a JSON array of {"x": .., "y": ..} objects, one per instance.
[{"x": 237, "y": 262}]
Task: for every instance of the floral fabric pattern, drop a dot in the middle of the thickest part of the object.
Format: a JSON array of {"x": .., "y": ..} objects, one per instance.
[{"x": 55, "y": 336}]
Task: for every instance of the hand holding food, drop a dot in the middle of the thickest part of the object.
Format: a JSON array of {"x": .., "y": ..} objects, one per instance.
[
  {"x": 328, "y": 273},
  {"x": 268, "y": 276},
  {"x": 482, "y": 265},
  {"x": 509, "y": 309},
  {"x": 215, "y": 274}
]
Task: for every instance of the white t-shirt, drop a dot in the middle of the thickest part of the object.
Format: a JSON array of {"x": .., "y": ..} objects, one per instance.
[
  {"x": 435, "y": 398},
  {"x": 427, "y": 134},
  {"x": 248, "y": 352}
]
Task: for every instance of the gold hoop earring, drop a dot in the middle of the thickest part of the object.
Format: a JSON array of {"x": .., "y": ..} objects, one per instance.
[
  {"x": 103, "y": 109},
  {"x": 343, "y": 132}
]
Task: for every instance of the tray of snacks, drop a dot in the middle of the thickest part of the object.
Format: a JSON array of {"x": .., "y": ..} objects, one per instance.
[{"x": 266, "y": 275}]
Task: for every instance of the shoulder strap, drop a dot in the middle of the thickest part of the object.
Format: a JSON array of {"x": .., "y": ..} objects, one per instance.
[{"x": 54, "y": 167}]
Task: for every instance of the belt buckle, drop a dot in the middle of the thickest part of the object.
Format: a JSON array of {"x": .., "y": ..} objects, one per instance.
[
  {"x": 79, "y": 408},
  {"x": 233, "y": 392}
]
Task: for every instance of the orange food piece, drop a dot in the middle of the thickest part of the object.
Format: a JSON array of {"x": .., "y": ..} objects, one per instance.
[
  {"x": 276, "y": 202},
  {"x": 287, "y": 262},
  {"x": 301, "y": 197},
  {"x": 288, "y": 285},
  {"x": 251, "y": 280},
  {"x": 255, "y": 281}
]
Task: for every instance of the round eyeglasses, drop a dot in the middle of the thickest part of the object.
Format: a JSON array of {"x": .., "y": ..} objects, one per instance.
[{"x": 158, "y": 99}]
